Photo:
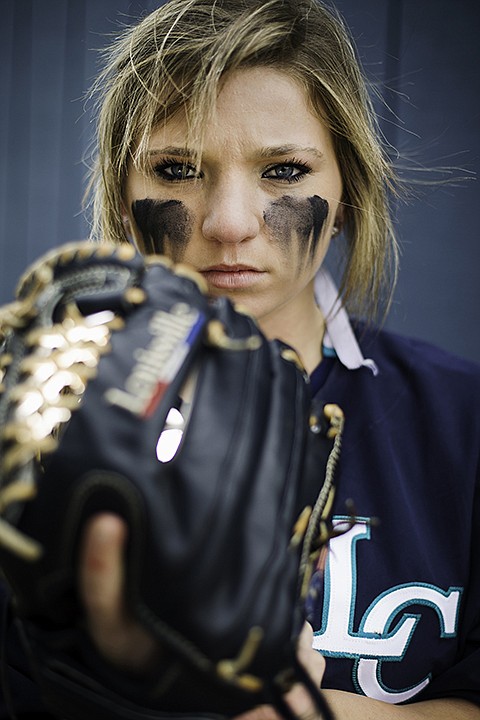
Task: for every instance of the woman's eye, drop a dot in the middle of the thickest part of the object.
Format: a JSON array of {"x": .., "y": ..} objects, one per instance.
[
  {"x": 288, "y": 172},
  {"x": 175, "y": 171}
]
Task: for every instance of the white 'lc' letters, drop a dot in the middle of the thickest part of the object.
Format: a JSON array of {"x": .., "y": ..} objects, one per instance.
[{"x": 375, "y": 642}]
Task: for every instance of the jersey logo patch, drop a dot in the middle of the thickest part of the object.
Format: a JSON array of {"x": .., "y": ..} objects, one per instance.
[{"x": 378, "y": 639}]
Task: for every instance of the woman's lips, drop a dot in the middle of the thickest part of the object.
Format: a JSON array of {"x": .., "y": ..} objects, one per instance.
[{"x": 231, "y": 277}]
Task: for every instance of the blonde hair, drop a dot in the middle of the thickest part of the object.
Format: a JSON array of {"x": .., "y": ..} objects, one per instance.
[{"x": 176, "y": 58}]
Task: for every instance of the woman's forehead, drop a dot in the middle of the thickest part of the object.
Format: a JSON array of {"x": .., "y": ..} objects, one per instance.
[{"x": 257, "y": 109}]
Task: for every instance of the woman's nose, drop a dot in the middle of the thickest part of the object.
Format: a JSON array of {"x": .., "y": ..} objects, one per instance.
[{"x": 231, "y": 214}]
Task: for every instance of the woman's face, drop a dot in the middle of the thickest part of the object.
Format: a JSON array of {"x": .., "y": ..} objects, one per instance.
[{"x": 257, "y": 217}]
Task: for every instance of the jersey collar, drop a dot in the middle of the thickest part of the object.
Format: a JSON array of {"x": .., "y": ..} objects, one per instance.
[{"x": 339, "y": 338}]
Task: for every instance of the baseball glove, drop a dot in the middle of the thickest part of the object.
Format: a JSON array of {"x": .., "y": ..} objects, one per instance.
[{"x": 127, "y": 389}]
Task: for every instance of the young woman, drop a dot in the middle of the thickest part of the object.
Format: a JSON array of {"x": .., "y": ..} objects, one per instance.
[{"x": 237, "y": 136}]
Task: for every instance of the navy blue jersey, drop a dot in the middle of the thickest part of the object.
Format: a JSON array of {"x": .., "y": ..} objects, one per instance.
[{"x": 397, "y": 613}]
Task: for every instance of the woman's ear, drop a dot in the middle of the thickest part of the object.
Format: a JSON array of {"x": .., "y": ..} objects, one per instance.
[
  {"x": 339, "y": 220},
  {"x": 126, "y": 220},
  {"x": 132, "y": 232}
]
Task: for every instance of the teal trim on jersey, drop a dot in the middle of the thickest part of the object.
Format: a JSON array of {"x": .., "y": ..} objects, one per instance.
[{"x": 328, "y": 352}]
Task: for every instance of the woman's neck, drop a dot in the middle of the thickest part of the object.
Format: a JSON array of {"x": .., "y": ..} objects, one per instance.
[{"x": 303, "y": 332}]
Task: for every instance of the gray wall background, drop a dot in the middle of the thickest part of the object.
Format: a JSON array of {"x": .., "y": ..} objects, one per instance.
[{"x": 423, "y": 55}]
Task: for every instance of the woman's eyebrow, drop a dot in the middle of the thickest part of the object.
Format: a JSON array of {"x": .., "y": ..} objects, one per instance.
[
  {"x": 171, "y": 150},
  {"x": 277, "y": 150},
  {"x": 264, "y": 152}
]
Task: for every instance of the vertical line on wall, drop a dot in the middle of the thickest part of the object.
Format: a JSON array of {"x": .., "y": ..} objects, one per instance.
[
  {"x": 69, "y": 211},
  {"x": 18, "y": 155},
  {"x": 393, "y": 66},
  {"x": 6, "y": 89},
  {"x": 46, "y": 86}
]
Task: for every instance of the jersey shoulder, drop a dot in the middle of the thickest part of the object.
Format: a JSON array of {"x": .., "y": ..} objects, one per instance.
[{"x": 419, "y": 362}]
